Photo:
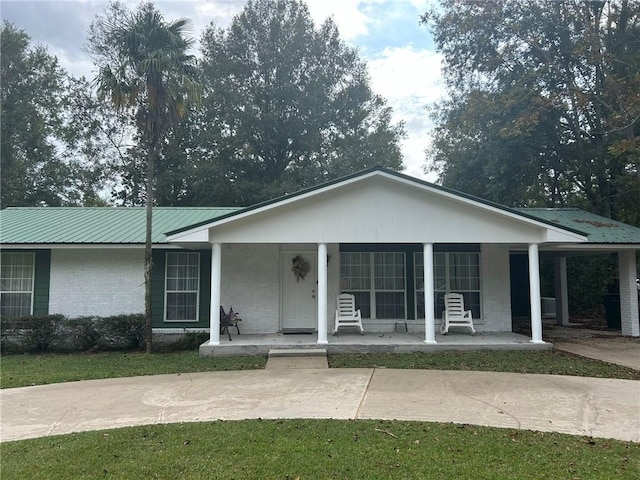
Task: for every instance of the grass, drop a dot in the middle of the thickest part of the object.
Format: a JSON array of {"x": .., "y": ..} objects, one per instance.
[
  {"x": 319, "y": 449},
  {"x": 26, "y": 370},
  {"x": 553, "y": 362}
]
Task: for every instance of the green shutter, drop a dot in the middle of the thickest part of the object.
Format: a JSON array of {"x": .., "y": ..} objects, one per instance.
[
  {"x": 41, "y": 282},
  {"x": 158, "y": 258}
]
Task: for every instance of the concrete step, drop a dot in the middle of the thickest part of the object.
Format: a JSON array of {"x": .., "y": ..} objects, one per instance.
[
  {"x": 298, "y": 352},
  {"x": 307, "y": 358}
]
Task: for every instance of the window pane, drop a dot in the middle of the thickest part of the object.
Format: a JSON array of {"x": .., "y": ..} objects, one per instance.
[
  {"x": 182, "y": 284},
  {"x": 16, "y": 283},
  {"x": 15, "y": 304},
  {"x": 181, "y": 306},
  {"x": 385, "y": 276},
  {"x": 439, "y": 305},
  {"x": 472, "y": 302},
  {"x": 390, "y": 305},
  {"x": 389, "y": 273},
  {"x": 363, "y": 303},
  {"x": 453, "y": 272}
]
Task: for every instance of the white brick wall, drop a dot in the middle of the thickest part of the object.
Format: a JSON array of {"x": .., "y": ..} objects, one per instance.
[
  {"x": 96, "y": 281},
  {"x": 251, "y": 283},
  {"x": 496, "y": 289},
  {"x": 628, "y": 293}
]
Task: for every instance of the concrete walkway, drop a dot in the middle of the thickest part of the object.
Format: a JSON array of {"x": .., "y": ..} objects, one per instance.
[{"x": 577, "y": 405}]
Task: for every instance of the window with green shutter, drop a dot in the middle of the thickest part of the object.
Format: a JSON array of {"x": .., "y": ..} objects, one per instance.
[{"x": 182, "y": 280}]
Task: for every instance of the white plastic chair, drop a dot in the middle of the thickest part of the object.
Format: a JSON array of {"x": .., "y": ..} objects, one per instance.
[
  {"x": 455, "y": 315},
  {"x": 346, "y": 313}
]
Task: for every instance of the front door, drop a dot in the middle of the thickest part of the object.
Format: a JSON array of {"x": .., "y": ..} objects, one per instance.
[{"x": 299, "y": 291}]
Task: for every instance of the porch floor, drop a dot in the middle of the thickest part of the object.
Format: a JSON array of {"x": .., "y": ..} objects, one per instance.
[{"x": 370, "y": 343}]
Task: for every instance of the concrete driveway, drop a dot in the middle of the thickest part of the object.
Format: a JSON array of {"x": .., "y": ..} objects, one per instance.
[
  {"x": 605, "y": 345},
  {"x": 576, "y": 405}
]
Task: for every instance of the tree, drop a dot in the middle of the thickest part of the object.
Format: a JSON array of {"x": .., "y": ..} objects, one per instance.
[
  {"x": 56, "y": 141},
  {"x": 145, "y": 70},
  {"x": 543, "y": 103},
  {"x": 287, "y": 105}
]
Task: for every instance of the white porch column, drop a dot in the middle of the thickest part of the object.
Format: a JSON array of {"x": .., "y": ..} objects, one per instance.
[
  {"x": 628, "y": 293},
  {"x": 562, "y": 291},
  {"x": 534, "y": 294},
  {"x": 322, "y": 294},
  {"x": 429, "y": 320},
  {"x": 216, "y": 282}
]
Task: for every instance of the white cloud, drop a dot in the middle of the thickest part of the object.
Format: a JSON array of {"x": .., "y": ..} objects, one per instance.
[
  {"x": 78, "y": 66},
  {"x": 407, "y": 72},
  {"x": 410, "y": 80},
  {"x": 347, "y": 14}
]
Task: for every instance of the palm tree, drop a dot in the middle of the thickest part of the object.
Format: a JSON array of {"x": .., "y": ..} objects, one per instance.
[{"x": 144, "y": 70}]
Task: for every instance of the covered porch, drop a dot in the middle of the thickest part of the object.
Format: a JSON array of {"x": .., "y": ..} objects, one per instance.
[
  {"x": 369, "y": 342},
  {"x": 414, "y": 240}
]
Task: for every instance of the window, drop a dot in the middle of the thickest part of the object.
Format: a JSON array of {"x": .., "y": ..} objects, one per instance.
[
  {"x": 16, "y": 284},
  {"x": 452, "y": 272},
  {"x": 181, "y": 289},
  {"x": 377, "y": 280}
]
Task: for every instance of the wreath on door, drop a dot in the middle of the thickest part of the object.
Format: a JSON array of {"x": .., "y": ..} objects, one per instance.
[{"x": 300, "y": 267}]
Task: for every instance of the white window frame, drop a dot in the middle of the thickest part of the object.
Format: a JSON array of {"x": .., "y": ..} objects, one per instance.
[
  {"x": 446, "y": 288},
  {"x": 372, "y": 290},
  {"x": 31, "y": 291},
  {"x": 167, "y": 292}
]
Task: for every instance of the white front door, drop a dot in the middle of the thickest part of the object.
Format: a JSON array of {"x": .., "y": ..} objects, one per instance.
[{"x": 299, "y": 291}]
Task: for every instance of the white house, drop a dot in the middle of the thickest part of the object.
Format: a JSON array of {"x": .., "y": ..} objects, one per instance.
[{"x": 398, "y": 244}]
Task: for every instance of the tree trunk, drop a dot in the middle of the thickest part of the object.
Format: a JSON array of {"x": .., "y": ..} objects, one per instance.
[{"x": 148, "y": 261}]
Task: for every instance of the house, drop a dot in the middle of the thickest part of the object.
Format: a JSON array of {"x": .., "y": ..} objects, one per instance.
[{"x": 397, "y": 243}]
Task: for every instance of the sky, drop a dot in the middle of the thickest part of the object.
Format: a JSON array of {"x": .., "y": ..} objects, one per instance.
[{"x": 403, "y": 64}]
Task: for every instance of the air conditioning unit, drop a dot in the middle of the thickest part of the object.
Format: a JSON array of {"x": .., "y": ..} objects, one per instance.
[{"x": 548, "y": 307}]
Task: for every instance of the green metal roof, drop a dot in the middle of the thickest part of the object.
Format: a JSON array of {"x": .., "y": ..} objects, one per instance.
[
  {"x": 96, "y": 225},
  {"x": 126, "y": 225},
  {"x": 598, "y": 229}
]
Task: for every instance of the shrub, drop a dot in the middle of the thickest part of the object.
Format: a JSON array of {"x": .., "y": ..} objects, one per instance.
[
  {"x": 80, "y": 334},
  {"x": 122, "y": 332},
  {"x": 33, "y": 334}
]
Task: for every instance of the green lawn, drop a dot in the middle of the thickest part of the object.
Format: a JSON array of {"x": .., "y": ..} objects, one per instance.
[
  {"x": 25, "y": 370},
  {"x": 319, "y": 449},
  {"x": 552, "y": 362}
]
